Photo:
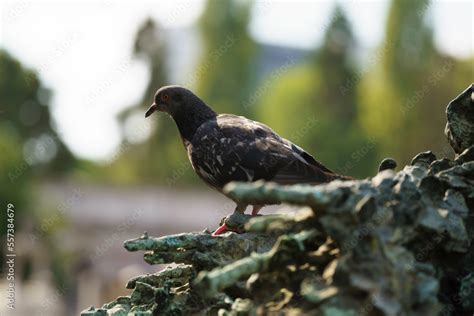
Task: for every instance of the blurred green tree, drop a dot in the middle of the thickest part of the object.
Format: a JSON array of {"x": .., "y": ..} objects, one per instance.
[
  {"x": 25, "y": 114},
  {"x": 226, "y": 75},
  {"x": 314, "y": 106},
  {"x": 336, "y": 65},
  {"x": 28, "y": 144},
  {"x": 402, "y": 99}
]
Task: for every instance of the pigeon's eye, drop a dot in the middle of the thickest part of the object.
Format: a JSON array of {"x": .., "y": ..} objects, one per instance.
[{"x": 165, "y": 97}]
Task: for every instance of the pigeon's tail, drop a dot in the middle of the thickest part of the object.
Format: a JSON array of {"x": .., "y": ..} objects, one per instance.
[
  {"x": 328, "y": 177},
  {"x": 321, "y": 174},
  {"x": 335, "y": 176},
  {"x": 325, "y": 176}
]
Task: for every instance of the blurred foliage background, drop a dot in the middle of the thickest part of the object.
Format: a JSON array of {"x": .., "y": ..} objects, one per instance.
[{"x": 347, "y": 113}]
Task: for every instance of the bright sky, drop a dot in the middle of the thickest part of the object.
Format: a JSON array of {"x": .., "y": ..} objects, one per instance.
[{"x": 82, "y": 50}]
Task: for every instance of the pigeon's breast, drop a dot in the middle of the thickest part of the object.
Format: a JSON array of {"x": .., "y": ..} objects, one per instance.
[{"x": 216, "y": 158}]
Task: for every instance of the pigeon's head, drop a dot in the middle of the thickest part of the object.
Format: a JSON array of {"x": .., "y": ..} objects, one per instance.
[{"x": 173, "y": 100}]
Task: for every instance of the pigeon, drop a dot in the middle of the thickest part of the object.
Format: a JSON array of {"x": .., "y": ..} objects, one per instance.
[{"x": 224, "y": 147}]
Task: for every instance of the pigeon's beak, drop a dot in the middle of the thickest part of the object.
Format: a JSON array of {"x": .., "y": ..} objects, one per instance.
[{"x": 152, "y": 109}]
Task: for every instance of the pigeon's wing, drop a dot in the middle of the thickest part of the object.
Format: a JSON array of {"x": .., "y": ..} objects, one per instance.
[{"x": 240, "y": 149}]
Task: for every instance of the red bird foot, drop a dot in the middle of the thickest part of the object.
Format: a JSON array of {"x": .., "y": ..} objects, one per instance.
[
  {"x": 235, "y": 222},
  {"x": 220, "y": 230}
]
